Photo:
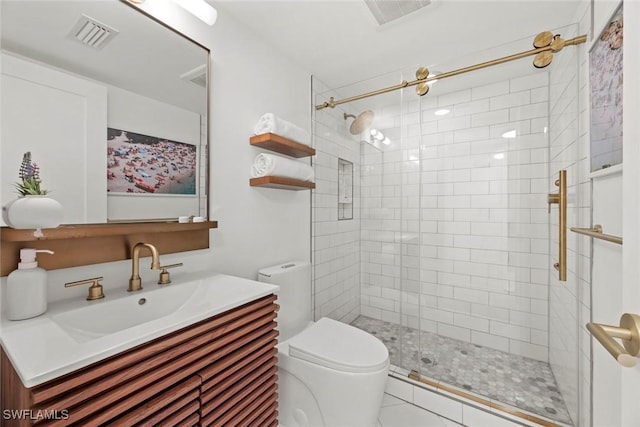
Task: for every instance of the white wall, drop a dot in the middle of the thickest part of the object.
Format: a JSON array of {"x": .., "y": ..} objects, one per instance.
[
  {"x": 615, "y": 268},
  {"x": 257, "y": 227},
  {"x": 630, "y": 389}
]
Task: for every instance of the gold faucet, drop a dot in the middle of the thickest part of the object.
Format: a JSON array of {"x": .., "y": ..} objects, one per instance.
[{"x": 135, "y": 282}]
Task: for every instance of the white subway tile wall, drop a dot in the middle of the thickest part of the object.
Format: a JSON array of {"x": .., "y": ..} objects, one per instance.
[
  {"x": 335, "y": 243},
  {"x": 463, "y": 250}
]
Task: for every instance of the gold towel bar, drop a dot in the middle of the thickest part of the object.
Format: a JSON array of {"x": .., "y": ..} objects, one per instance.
[
  {"x": 629, "y": 332},
  {"x": 596, "y": 233}
]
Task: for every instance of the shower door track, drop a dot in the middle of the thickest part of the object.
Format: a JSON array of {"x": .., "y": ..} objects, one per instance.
[
  {"x": 488, "y": 403},
  {"x": 545, "y": 45}
]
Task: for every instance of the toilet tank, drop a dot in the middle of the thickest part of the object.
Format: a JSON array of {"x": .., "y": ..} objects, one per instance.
[{"x": 294, "y": 296}]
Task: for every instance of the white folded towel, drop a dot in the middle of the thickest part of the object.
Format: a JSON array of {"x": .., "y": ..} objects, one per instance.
[
  {"x": 270, "y": 123},
  {"x": 267, "y": 164}
]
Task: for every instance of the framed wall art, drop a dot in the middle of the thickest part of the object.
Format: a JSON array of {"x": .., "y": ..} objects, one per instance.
[
  {"x": 605, "y": 78},
  {"x": 142, "y": 164}
]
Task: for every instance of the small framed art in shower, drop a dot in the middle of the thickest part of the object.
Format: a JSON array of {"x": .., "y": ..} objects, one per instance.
[
  {"x": 605, "y": 78},
  {"x": 345, "y": 189}
]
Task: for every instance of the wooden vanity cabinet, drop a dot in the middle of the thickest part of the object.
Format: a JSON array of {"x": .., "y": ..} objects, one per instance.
[{"x": 220, "y": 372}]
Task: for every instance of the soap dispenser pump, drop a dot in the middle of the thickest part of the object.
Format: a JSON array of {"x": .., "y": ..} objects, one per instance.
[{"x": 27, "y": 287}]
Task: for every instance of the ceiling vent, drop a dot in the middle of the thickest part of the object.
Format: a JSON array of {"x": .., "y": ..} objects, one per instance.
[
  {"x": 92, "y": 32},
  {"x": 197, "y": 76},
  {"x": 386, "y": 11}
]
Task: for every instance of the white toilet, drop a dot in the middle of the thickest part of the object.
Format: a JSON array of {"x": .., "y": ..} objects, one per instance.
[{"x": 329, "y": 373}]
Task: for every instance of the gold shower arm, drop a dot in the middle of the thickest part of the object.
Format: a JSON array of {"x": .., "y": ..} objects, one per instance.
[
  {"x": 555, "y": 45},
  {"x": 628, "y": 332}
]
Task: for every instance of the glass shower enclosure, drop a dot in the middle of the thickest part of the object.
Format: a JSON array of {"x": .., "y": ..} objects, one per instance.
[{"x": 443, "y": 247}]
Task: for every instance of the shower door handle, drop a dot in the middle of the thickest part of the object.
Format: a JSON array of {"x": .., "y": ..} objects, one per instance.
[{"x": 560, "y": 198}]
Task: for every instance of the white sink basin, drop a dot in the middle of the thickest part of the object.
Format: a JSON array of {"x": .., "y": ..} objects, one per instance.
[
  {"x": 74, "y": 333},
  {"x": 111, "y": 316}
]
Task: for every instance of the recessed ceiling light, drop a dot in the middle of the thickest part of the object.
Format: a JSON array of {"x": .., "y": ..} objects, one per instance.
[
  {"x": 498, "y": 156},
  {"x": 373, "y": 132},
  {"x": 442, "y": 112},
  {"x": 509, "y": 134},
  {"x": 386, "y": 141}
]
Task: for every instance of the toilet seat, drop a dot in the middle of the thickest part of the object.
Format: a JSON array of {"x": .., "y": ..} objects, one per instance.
[{"x": 339, "y": 346}]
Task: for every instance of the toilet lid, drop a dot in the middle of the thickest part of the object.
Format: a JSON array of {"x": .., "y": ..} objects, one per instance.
[{"x": 339, "y": 346}]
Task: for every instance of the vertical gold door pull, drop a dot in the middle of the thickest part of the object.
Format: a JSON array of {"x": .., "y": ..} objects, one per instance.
[
  {"x": 560, "y": 198},
  {"x": 628, "y": 332}
]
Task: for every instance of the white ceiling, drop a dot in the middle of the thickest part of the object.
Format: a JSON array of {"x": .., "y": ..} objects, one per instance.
[{"x": 340, "y": 42}]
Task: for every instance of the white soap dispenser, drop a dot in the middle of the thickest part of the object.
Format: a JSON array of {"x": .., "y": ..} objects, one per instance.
[{"x": 27, "y": 287}]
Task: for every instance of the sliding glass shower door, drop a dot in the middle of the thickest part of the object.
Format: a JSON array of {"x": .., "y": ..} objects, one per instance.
[{"x": 450, "y": 216}]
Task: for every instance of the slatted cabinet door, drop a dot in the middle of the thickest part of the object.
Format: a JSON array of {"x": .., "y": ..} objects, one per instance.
[{"x": 221, "y": 371}]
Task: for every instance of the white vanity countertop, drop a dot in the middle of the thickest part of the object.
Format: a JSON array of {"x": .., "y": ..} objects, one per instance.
[{"x": 40, "y": 349}]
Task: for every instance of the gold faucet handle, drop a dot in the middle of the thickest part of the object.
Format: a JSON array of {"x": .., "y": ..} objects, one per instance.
[
  {"x": 95, "y": 290},
  {"x": 164, "y": 278}
]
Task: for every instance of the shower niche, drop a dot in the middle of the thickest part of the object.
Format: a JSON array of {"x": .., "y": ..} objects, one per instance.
[{"x": 345, "y": 189}]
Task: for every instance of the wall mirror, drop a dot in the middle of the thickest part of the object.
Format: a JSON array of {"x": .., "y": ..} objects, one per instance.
[{"x": 112, "y": 106}]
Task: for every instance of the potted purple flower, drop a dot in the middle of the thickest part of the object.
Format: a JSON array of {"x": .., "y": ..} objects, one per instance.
[
  {"x": 33, "y": 209},
  {"x": 29, "y": 174}
]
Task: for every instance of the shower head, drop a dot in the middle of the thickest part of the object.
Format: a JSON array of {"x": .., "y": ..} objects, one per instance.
[{"x": 360, "y": 123}]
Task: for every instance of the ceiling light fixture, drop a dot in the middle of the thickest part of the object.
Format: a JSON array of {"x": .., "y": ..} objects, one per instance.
[
  {"x": 201, "y": 9},
  {"x": 509, "y": 134},
  {"x": 498, "y": 156},
  {"x": 442, "y": 112}
]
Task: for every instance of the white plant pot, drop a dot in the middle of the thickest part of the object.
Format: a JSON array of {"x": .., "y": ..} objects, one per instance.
[{"x": 33, "y": 212}]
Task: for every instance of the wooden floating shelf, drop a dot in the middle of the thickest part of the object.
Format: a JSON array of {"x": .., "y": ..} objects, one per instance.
[
  {"x": 85, "y": 244},
  {"x": 281, "y": 183},
  {"x": 81, "y": 231},
  {"x": 282, "y": 145}
]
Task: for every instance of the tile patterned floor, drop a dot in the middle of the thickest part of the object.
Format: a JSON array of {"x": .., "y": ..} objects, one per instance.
[
  {"x": 398, "y": 413},
  {"x": 515, "y": 380}
]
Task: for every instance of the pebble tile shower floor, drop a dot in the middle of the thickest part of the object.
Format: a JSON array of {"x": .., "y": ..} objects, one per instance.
[{"x": 518, "y": 381}]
